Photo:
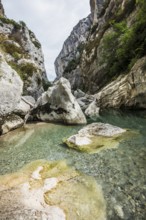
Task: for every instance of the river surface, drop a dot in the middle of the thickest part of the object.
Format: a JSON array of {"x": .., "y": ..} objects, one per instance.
[{"x": 121, "y": 172}]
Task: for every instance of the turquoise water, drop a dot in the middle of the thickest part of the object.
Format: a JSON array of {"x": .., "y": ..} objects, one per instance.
[{"x": 121, "y": 171}]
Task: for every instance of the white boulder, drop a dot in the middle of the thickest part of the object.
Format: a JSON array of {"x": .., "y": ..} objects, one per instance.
[
  {"x": 11, "y": 87},
  {"x": 59, "y": 105}
]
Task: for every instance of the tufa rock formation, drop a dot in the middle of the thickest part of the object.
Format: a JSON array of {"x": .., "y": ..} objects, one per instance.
[{"x": 114, "y": 46}]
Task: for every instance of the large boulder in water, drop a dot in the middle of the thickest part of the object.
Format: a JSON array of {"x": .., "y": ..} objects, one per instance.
[
  {"x": 95, "y": 136},
  {"x": 59, "y": 105}
]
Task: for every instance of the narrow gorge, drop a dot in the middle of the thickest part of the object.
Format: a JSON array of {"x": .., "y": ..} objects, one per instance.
[{"x": 75, "y": 148}]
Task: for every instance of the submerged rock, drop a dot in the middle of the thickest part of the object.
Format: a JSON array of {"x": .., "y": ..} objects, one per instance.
[
  {"x": 96, "y": 136},
  {"x": 52, "y": 191},
  {"x": 59, "y": 105}
]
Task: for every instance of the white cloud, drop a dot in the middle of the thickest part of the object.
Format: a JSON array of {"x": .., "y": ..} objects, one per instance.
[{"x": 50, "y": 20}]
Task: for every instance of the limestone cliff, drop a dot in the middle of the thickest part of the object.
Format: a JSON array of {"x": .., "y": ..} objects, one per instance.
[
  {"x": 69, "y": 57},
  {"x": 22, "y": 51},
  {"x": 22, "y": 72},
  {"x": 114, "y": 44}
]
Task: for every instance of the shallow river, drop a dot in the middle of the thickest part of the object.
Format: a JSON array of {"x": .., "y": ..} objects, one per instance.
[{"x": 121, "y": 172}]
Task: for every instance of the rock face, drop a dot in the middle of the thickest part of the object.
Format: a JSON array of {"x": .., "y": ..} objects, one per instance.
[
  {"x": 2, "y": 13},
  {"x": 11, "y": 87},
  {"x": 23, "y": 52},
  {"x": 126, "y": 91},
  {"x": 95, "y": 137},
  {"x": 10, "y": 123},
  {"x": 59, "y": 105},
  {"x": 52, "y": 191},
  {"x": 22, "y": 72},
  {"x": 97, "y": 7},
  {"x": 69, "y": 57},
  {"x": 111, "y": 49}
]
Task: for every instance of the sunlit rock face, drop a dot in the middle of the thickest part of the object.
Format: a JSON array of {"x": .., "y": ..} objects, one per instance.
[
  {"x": 22, "y": 71},
  {"x": 53, "y": 191},
  {"x": 11, "y": 87}
]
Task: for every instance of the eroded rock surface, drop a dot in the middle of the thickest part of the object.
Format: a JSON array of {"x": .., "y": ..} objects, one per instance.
[
  {"x": 59, "y": 105},
  {"x": 23, "y": 52},
  {"x": 53, "y": 191},
  {"x": 69, "y": 57},
  {"x": 11, "y": 87},
  {"x": 95, "y": 136}
]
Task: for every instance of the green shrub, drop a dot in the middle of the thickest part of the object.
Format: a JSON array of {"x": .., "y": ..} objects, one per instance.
[
  {"x": 10, "y": 21},
  {"x": 123, "y": 46},
  {"x": 72, "y": 64},
  {"x": 46, "y": 84},
  {"x": 28, "y": 68},
  {"x": 23, "y": 70},
  {"x": 37, "y": 44},
  {"x": 12, "y": 49}
]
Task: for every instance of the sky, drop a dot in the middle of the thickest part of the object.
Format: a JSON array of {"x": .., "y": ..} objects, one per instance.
[{"x": 50, "y": 20}]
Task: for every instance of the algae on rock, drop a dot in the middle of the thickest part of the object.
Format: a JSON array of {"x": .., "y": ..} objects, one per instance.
[
  {"x": 95, "y": 137},
  {"x": 51, "y": 190}
]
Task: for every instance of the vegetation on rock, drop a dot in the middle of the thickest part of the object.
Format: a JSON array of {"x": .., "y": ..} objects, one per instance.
[
  {"x": 124, "y": 45},
  {"x": 24, "y": 70}
]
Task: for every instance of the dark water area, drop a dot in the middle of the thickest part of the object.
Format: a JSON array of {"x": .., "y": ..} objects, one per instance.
[{"x": 121, "y": 172}]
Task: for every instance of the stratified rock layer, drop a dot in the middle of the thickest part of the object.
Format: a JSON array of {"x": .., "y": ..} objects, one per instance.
[{"x": 126, "y": 91}]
